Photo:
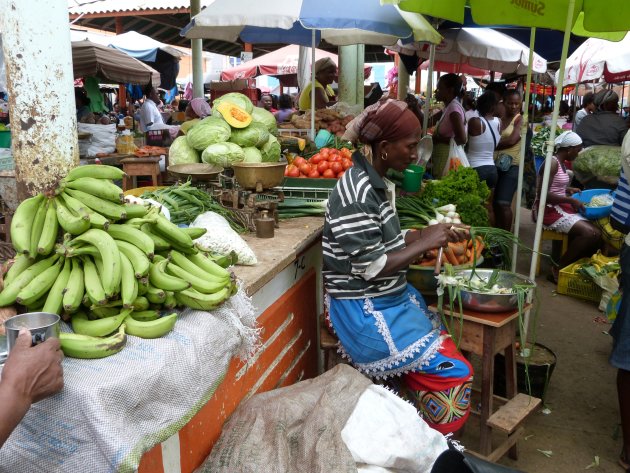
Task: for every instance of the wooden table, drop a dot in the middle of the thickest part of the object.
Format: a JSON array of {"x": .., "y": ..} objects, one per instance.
[
  {"x": 485, "y": 335},
  {"x": 147, "y": 166}
]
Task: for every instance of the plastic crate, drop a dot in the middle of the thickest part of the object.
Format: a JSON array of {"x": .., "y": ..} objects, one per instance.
[
  {"x": 307, "y": 188},
  {"x": 7, "y": 163},
  {"x": 571, "y": 283},
  {"x": 5, "y": 138}
]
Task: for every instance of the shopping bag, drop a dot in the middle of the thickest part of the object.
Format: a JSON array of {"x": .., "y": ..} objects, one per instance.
[{"x": 456, "y": 158}]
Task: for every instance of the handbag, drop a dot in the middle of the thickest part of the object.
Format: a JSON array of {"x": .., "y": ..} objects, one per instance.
[{"x": 504, "y": 162}]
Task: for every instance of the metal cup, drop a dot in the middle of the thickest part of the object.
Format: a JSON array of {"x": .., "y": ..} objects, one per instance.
[{"x": 43, "y": 325}]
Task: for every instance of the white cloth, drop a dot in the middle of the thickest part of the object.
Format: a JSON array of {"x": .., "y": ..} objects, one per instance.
[
  {"x": 581, "y": 113},
  {"x": 386, "y": 434},
  {"x": 481, "y": 148},
  {"x": 568, "y": 139}
]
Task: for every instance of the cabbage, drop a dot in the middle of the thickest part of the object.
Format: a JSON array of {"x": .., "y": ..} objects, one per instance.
[
  {"x": 271, "y": 150},
  {"x": 224, "y": 154},
  {"x": 181, "y": 152},
  {"x": 252, "y": 155},
  {"x": 208, "y": 131},
  {"x": 599, "y": 162},
  {"x": 254, "y": 135},
  {"x": 237, "y": 99},
  {"x": 266, "y": 118}
]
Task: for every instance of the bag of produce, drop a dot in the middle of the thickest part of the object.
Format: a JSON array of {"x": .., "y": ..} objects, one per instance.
[
  {"x": 208, "y": 131},
  {"x": 221, "y": 239},
  {"x": 181, "y": 152},
  {"x": 598, "y": 162},
  {"x": 224, "y": 154}
]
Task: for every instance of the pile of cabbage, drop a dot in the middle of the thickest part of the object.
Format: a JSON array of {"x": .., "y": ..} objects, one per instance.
[{"x": 213, "y": 141}]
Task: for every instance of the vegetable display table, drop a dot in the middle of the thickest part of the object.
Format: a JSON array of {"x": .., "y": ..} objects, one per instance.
[
  {"x": 485, "y": 335},
  {"x": 286, "y": 290}
]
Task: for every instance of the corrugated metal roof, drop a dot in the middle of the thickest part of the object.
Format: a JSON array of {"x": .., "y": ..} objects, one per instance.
[{"x": 78, "y": 7}]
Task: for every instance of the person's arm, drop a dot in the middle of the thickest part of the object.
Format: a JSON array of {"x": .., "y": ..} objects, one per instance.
[
  {"x": 321, "y": 98},
  {"x": 420, "y": 241},
  {"x": 30, "y": 374},
  {"x": 475, "y": 127},
  {"x": 514, "y": 137},
  {"x": 459, "y": 129}
]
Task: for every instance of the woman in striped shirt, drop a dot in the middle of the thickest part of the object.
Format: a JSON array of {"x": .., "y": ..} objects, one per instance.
[{"x": 383, "y": 324}]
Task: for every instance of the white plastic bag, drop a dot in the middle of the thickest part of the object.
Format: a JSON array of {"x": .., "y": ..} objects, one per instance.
[
  {"x": 221, "y": 239},
  {"x": 456, "y": 157},
  {"x": 103, "y": 139}
]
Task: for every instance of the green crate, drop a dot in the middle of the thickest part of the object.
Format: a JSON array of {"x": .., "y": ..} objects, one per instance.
[
  {"x": 307, "y": 188},
  {"x": 5, "y": 139},
  {"x": 7, "y": 164}
]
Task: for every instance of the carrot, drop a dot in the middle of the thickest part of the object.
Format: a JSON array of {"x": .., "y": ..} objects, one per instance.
[
  {"x": 427, "y": 262},
  {"x": 480, "y": 247},
  {"x": 463, "y": 259},
  {"x": 431, "y": 254},
  {"x": 468, "y": 255},
  {"x": 458, "y": 248},
  {"x": 450, "y": 256}
]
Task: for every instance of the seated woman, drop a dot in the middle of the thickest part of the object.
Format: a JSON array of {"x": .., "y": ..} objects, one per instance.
[
  {"x": 325, "y": 73},
  {"x": 561, "y": 212},
  {"x": 285, "y": 110},
  {"x": 382, "y": 322}
]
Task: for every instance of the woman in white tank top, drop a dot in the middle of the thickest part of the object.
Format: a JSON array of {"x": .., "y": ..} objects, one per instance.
[{"x": 483, "y": 137}]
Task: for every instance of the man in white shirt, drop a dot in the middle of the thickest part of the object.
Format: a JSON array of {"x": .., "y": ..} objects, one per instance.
[
  {"x": 150, "y": 116},
  {"x": 588, "y": 107}
]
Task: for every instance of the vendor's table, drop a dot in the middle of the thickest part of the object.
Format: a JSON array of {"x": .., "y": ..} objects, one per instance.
[
  {"x": 485, "y": 335},
  {"x": 285, "y": 287}
]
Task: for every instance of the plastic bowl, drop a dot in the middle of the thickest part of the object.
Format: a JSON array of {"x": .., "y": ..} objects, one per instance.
[{"x": 594, "y": 213}]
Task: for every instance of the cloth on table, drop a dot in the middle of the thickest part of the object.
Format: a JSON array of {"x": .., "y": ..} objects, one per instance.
[
  {"x": 338, "y": 422},
  {"x": 114, "y": 409}
]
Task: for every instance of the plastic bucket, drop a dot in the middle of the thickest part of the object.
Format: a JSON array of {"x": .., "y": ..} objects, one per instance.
[
  {"x": 538, "y": 161},
  {"x": 539, "y": 371},
  {"x": 5, "y": 139}
]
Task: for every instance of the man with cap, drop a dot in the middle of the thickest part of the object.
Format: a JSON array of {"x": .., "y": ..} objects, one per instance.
[
  {"x": 605, "y": 126},
  {"x": 325, "y": 73}
]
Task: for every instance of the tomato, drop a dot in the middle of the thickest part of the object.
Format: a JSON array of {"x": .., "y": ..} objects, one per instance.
[
  {"x": 335, "y": 158},
  {"x": 323, "y": 166},
  {"x": 292, "y": 171},
  {"x": 340, "y": 174},
  {"x": 324, "y": 152},
  {"x": 329, "y": 174},
  {"x": 315, "y": 159},
  {"x": 346, "y": 163},
  {"x": 299, "y": 161},
  {"x": 301, "y": 175},
  {"x": 314, "y": 173},
  {"x": 305, "y": 168},
  {"x": 336, "y": 167},
  {"x": 346, "y": 153}
]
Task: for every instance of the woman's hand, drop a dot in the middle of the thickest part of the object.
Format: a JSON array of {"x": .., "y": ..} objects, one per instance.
[
  {"x": 437, "y": 236},
  {"x": 572, "y": 190},
  {"x": 577, "y": 205}
]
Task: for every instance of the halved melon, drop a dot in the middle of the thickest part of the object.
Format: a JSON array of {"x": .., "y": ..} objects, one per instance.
[{"x": 235, "y": 116}]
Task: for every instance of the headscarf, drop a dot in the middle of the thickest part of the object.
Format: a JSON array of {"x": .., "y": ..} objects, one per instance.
[
  {"x": 605, "y": 96},
  {"x": 200, "y": 107},
  {"x": 567, "y": 139},
  {"x": 324, "y": 63},
  {"x": 386, "y": 120}
]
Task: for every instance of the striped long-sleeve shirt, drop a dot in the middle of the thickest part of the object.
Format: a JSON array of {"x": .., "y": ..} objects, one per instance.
[{"x": 361, "y": 226}]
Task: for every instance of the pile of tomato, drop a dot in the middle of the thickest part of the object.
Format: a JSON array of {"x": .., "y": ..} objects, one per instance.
[{"x": 329, "y": 163}]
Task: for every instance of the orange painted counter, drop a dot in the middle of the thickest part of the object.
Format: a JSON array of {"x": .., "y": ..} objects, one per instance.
[{"x": 285, "y": 287}]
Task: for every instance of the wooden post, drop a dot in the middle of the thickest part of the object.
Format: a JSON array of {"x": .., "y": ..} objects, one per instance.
[{"x": 122, "y": 91}]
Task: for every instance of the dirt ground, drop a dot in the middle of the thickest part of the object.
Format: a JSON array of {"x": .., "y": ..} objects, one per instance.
[{"x": 583, "y": 418}]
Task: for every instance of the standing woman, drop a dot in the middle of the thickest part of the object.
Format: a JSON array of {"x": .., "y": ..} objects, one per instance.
[
  {"x": 384, "y": 327},
  {"x": 325, "y": 74},
  {"x": 507, "y": 158},
  {"x": 452, "y": 122},
  {"x": 561, "y": 212}
]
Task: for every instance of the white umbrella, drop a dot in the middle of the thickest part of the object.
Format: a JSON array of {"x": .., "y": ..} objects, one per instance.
[{"x": 596, "y": 58}]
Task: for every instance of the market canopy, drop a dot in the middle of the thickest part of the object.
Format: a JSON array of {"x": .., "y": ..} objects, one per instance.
[
  {"x": 282, "y": 63},
  {"x": 597, "y": 58},
  {"x": 94, "y": 60},
  {"x": 293, "y": 22}
]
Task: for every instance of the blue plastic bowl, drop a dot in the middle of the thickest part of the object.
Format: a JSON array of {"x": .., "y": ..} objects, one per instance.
[{"x": 593, "y": 213}]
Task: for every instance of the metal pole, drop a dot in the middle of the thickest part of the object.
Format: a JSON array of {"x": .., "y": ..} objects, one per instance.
[
  {"x": 550, "y": 145},
  {"x": 575, "y": 103},
  {"x": 521, "y": 163},
  {"x": 403, "y": 81},
  {"x": 429, "y": 93},
  {"x": 197, "y": 54},
  {"x": 38, "y": 58},
  {"x": 313, "y": 38}
]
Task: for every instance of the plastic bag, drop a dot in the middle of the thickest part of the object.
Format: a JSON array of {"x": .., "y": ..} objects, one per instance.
[
  {"x": 456, "y": 158},
  {"x": 613, "y": 306},
  {"x": 102, "y": 139},
  {"x": 221, "y": 239}
]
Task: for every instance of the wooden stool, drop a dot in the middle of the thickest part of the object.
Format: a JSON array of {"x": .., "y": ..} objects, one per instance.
[
  {"x": 149, "y": 166},
  {"x": 553, "y": 236},
  {"x": 328, "y": 344},
  {"x": 485, "y": 335}
]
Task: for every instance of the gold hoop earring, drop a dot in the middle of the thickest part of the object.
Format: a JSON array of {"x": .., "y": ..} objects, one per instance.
[{"x": 384, "y": 158}]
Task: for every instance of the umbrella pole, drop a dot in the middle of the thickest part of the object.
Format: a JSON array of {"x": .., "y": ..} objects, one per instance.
[
  {"x": 521, "y": 163},
  {"x": 313, "y": 36},
  {"x": 575, "y": 103},
  {"x": 550, "y": 150},
  {"x": 427, "y": 101}
]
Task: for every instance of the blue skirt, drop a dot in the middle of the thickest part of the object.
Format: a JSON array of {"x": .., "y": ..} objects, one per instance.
[{"x": 390, "y": 335}]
